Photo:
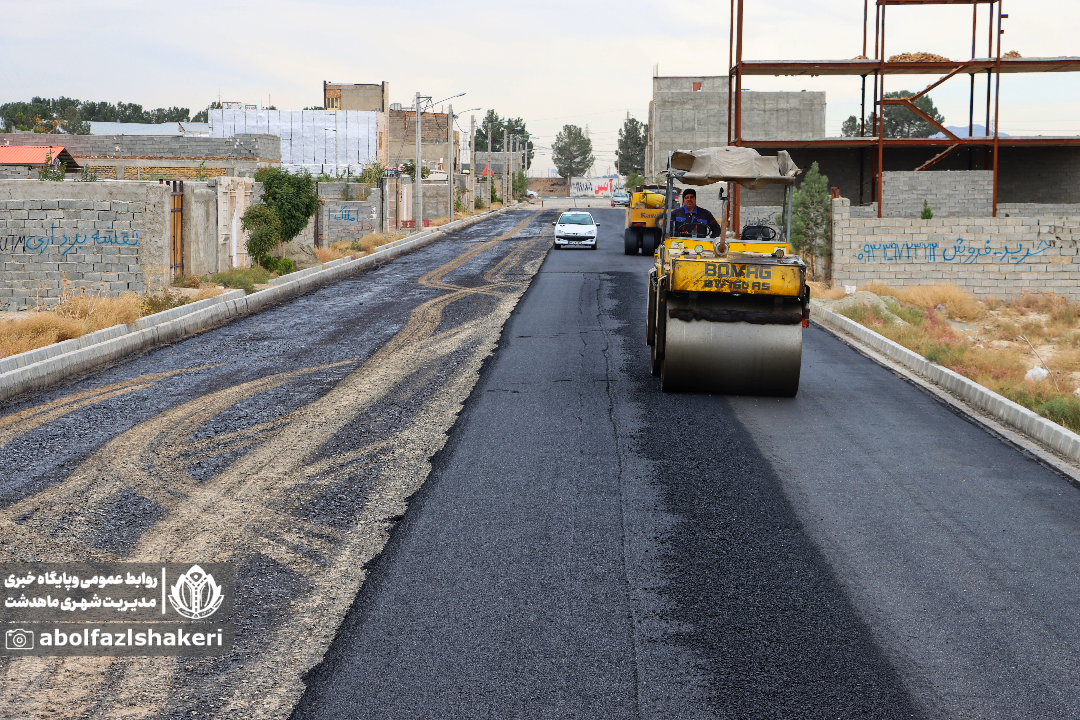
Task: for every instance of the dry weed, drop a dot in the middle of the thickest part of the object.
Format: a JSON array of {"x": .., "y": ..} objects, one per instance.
[
  {"x": 97, "y": 308},
  {"x": 822, "y": 291},
  {"x": 41, "y": 329},
  {"x": 325, "y": 255},
  {"x": 207, "y": 292},
  {"x": 998, "y": 357}
]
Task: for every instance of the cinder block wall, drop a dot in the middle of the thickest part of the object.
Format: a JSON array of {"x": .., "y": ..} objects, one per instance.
[
  {"x": 1003, "y": 257},
  {"x": 963, "y": 193},
  {"x": 114, "y": 237},
  {"x": 264, "y": 147},
  {"x": 550, "y": 186},
  {"x": 348, "y": 212}
]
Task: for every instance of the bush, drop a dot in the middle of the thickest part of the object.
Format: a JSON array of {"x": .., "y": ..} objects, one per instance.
[
  {"x": 240, "y": 278},
  {"x": 187, "y": 281},
  {"x": 263, "y": 229},
  {"x": 281, "y": 266},
  {"x": 291, "y": 196},
  {"x": 478, "y": 203},
  {"x": 161, "y": 302},
  {"x": 927, "y": 213}
]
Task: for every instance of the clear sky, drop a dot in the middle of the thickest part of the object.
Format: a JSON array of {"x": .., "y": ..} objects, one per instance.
[{"x": 550, "y": 63}]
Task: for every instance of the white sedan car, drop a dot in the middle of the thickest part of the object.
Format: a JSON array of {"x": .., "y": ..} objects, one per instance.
[{"x": 575, "y": 228}]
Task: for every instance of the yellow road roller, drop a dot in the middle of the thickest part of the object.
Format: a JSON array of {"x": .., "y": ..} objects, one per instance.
[
  {"x": 726, "y": 315},
  {"x": 642, "y": 229}
]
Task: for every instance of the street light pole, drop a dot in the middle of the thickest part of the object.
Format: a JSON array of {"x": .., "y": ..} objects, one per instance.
[
  {"x": 418, "y": 174},
  {"x": 450, "y": 162},
  {"x": 470, "y": 182}
]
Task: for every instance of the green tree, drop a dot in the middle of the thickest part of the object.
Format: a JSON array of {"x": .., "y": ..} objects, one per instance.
[
  {"x": 494, "y": 125},
  {"x": 810, "y": 215},
  {"x": 521, "y": 183},
  {"x": 634, "y": 180},
  {"x": 630, "y": 155},
  {"x": 55, "y": 172},
  {"x": 204, "y": 115},
  {"x": 572, "y": 152},
  {"x": 68, "y": 115},
  {"x": 263, "y": 230},
  {"x": 292, "y": 197},
  {"x": 409, "y": 168},
  {"x": 900, "y": 122}
]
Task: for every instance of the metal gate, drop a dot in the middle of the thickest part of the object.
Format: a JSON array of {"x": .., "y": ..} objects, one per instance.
[{"x": 176, "y": 217}]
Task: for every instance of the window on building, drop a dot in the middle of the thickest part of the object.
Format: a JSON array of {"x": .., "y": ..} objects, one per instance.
[{"x": 332, "y": 103}]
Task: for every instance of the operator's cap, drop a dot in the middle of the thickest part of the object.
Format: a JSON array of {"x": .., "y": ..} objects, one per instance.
[{"x": 689, "y": 191}]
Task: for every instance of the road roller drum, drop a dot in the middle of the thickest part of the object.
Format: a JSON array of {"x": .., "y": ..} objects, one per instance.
[{"x": 707, "y": 350}]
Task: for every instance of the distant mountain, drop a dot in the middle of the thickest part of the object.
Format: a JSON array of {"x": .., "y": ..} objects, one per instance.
[{"x": 958, "y": 131}]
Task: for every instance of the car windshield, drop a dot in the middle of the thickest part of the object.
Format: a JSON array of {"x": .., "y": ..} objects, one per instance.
[{"x": 576, "y": 219}]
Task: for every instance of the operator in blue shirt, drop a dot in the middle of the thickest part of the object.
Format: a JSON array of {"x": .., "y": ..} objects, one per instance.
[{"x": 693, "y": 221}]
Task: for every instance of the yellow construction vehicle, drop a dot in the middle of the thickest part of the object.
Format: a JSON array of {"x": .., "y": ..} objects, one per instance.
[
  {"x": 726, "y": 316},
  {"x": 642, "y": 228}
]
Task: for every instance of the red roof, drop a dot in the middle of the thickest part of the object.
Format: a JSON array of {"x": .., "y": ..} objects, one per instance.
[
  {"x": 486, "y": 171},
  {"x": 32, "y": 154}
]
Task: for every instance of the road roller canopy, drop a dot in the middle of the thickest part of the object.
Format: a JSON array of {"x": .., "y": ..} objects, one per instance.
[{"x": 733, "y": 164}]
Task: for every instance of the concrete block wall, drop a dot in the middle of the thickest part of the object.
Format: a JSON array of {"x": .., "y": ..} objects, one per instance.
[
  {"x": 1038, "y": 209},
  {"x": 114, "y": 237},
  {"x": 204, "y": 252},
  {"x": 1003, "y": 257},
  {"x": 963, "y": 193},
  {"x": 348, "y": 212},
  {"x": 128, "y": 157},
  {"x": 681, "y": 118},
  {"x": 435, "y": 201}
]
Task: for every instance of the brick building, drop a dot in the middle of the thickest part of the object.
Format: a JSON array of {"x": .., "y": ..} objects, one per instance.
[{"x": 356, "y": 96}]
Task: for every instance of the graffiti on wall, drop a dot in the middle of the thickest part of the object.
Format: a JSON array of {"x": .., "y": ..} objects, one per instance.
[
  {"x": 40, "y": 244},
  {"x": 594, "y": 187},
  {"x": 960, "y": 252},
  {"x": 352, "y": 219}
]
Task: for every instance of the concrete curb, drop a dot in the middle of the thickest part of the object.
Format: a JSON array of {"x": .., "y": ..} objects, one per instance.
[
  {"x": 46, "y": 366},
  {"x": 1051, "y": 434}
]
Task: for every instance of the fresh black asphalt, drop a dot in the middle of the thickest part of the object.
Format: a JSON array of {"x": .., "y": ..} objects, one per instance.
[{"x": 589, "y": 547}]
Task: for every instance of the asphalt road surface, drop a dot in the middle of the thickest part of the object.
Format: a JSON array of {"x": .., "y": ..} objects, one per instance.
[
  {"x": 573, "y": 544},
  {"x": 589, "y": 547}
]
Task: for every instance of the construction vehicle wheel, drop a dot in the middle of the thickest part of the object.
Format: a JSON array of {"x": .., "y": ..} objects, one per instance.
[
  {"x": 629, "y": 241},
  {"x": 648, "y": 243},
  {"x": 659, "y": 337},
  {"x": 728, "y": 358},
  {"x": 650, "y": 318}
]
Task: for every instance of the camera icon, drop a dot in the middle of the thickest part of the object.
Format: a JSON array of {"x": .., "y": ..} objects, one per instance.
[{"x": 19, "y": 639}]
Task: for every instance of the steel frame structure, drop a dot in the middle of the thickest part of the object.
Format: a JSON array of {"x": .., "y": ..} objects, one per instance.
[{"x": 878, "y": 68}]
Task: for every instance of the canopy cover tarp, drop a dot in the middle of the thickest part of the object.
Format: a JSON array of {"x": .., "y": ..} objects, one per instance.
[{"x": 735, "y": 164}]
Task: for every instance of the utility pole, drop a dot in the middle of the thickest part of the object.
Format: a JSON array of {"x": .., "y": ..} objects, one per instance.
[
  {"x": 450, "y": 162},
  {"x": 506, "y": 136},
  {"x": 470, "y": 182},
  {"x": 490, "y": 163},
  {"x": 418, "y": 173}
]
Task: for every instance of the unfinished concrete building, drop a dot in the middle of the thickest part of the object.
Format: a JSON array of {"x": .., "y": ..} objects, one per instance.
[
  {"x": 691, "y": 112},
  {"x": 401, "y": 130},
  {"x": 356, "y": 96}
]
